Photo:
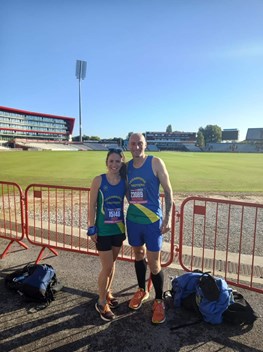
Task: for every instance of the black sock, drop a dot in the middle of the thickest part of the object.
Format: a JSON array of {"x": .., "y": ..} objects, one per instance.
[
  {"x": 158, "y": 281},
  {"x": 140, "y": 269}
]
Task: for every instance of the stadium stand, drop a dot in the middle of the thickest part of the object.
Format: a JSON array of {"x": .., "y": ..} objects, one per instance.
[
  {"x": 171, "y": 140},
  {"x": 112, "y": 145},
  {"x": 218, "y": 147},
  {"x": 27, "y": 144},
  {"x": 4, "y": 146},
  {"x": 192, "y": 148},
  {"x": 152, "y": 148},
  {"x": 25, "y": 130},
  {"x": 42, "y": 145},
  {"x": 52, "y": 146},
  {"x": 254, "y": 135},
  {"x": 95, "y": 146},
  {"x": 231, "y": 147},
  {"x": 247, "y": 148}
]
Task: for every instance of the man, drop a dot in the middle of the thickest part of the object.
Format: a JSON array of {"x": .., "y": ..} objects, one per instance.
[{"x": 145, "y": 222}]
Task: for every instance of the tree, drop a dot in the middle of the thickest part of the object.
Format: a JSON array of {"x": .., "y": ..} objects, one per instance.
[
  {"x": 121, "y": 142},
  {"x": 200, "y": 140},
  {"x": 211, "y": 133},
  {"x": 94, "y": 138},
  {"x": 169, "y": 128},
  {"x": 86, "y": 138}
]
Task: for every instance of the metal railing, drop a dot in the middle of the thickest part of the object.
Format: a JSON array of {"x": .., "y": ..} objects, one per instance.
[
  {"x": 11, "y": 215},
  {"x": 224, "y": 237},
  {"x": 221, "y": 236},
  {"x": 57, "y": 218}
]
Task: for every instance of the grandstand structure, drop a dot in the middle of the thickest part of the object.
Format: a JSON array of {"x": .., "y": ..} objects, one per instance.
[
  {"x": 23, "y": 124},
  {"x": 180, "y": 141},
  {"x": 254, "y": 135},
  {"x": 186, "y": 141},
  {"x": 25, "y": 130},
  {"x": 252, "y": 144}
]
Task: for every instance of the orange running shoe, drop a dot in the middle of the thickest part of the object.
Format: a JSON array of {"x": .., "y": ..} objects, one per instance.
[
  {"x": 137, "y": 300},
  {"x": 158, "y": 312}
]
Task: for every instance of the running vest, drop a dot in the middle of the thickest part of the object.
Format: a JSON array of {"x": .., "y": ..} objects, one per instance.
[
  {"x": 143, "y": 193},
  {"x": 110, "y": 216}
]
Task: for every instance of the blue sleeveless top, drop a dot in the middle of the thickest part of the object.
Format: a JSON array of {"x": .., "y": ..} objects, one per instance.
[
  {"x": 110, "y": 201},
  {"x": 143, "y": 193}
]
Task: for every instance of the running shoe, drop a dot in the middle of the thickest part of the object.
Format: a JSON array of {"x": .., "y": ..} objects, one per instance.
[
  {"x": 112, "y": 301},
  {"x": 137, "y": 300},
  {"x": 104, "y": 312},
  {"x": 158, "y": 312}
]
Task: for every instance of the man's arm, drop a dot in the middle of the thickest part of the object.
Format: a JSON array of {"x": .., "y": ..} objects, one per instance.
[{"x": 161, "y": 172}]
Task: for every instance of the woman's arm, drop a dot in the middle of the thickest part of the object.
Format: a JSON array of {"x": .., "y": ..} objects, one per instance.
[{"x": 93, "y": 202}]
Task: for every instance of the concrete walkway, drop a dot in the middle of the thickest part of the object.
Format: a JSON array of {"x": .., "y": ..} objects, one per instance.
[{"x": 71, "y": 323}]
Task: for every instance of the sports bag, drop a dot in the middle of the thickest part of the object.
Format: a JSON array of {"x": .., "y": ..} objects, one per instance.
[
  {"x": 240, "y": 312},
  {"x": 36, "y": 282},
  {"x": 213, "y": 297},
  {"x": 209, "y": 296}
]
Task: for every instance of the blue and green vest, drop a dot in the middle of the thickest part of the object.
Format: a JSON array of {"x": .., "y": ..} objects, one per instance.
[
  {"x": 143, "y": 193},
  {"x": 110, "y": 201}
]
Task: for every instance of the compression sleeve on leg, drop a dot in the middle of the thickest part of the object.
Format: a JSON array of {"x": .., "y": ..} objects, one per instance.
[
  {"x": 140, "y": 269},
  {"x": 158, "y": 281}
]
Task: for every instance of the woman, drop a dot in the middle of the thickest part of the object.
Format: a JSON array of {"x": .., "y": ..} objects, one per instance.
[{"x": 106, "y": 226}]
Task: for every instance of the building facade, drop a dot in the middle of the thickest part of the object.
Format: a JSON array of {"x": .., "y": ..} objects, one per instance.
[
  {"x": 16, "y": 123},
  {"x": 170, "y": 140}
]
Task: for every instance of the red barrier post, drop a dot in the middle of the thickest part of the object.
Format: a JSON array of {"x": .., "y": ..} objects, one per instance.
[{"x": 11, "y": 215}]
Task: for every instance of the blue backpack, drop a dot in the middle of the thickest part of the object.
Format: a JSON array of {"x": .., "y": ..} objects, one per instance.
[
  {"x": 36, "y": 282},
  {"x": 209, "y": 296}
]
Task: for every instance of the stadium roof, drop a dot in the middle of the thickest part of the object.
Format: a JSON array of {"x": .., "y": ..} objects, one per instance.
[{"x": 254, "y": 134}]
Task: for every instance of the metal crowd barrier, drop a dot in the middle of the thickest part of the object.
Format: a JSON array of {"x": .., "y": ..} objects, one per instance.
[
  {"x": 11, "y": 215},
  {"x": 220, "y": 236},
  {"x": 57, "y": 218},
  {"x": 224, "y": 237}
]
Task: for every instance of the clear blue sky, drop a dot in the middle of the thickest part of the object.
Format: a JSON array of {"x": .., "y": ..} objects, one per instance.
[{"x": 151, "y": 63}]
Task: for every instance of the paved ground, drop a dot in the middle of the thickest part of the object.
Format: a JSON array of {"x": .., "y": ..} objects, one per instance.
[{"x": 71, "y": 323}]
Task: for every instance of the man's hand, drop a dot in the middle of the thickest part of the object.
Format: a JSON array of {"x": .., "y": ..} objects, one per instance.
[{"x": 165, "y": 226}]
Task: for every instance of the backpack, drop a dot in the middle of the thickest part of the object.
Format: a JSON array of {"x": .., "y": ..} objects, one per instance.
[
  {"x": 36, "y": 282},
  {"x": 240, "y": 312},
  {"x": 201, "y": 292}
]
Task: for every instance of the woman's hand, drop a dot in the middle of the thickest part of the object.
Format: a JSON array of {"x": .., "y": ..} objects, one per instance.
[{"x": 94, "y": 238}]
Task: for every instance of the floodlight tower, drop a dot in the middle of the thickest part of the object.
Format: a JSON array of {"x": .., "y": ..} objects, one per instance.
[{"x": 81, "y": 67}]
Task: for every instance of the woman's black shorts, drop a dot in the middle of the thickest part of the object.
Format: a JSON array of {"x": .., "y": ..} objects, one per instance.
[{"x": 105, "y": 243}]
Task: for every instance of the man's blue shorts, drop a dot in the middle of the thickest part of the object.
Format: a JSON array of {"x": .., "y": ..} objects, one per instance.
[{"x": 150, "y": 235}]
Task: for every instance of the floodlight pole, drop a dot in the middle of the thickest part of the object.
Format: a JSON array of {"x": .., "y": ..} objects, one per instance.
[
  {"x": 81, "y": 67},
  {"x": 80, "y": 123}
]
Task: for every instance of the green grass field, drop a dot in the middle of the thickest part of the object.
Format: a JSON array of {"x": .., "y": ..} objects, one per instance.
[{"x": 189, "y": 172}]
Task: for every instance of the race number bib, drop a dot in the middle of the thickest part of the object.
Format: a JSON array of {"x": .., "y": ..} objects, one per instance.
[
  {"x": 113, "y": 216},
  {"x": 138, "y": 196}
]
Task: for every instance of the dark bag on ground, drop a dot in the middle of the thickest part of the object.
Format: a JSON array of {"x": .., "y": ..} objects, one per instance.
[
  {"x": 211, "y": 299},
  {"x": 240, "y": 312},
  {"x": 36, "y": 282}
]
